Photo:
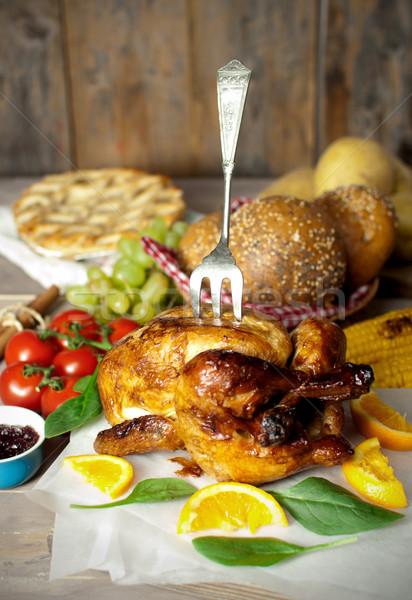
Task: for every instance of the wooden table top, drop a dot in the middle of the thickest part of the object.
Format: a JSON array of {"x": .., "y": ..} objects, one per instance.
[{"x": 27, "y": 528}]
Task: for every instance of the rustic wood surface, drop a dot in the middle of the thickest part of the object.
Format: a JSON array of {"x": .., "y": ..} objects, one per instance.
[{"x": 133, "y": 82}]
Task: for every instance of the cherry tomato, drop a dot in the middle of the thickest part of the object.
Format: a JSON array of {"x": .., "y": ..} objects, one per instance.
[
  {"x": 89, "y": 329},
  {"x": 79, "y": 362},
  {"x": 26, "y": 346},
  {"x": 120, "y": 327},
  {"x": 52, "y": 399},
  {"x": 18, "y": 390}
]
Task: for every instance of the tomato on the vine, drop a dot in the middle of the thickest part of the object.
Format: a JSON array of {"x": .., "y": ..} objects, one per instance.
[
  {"x": 88, "y": 327},
  {"x": 27, "y": 346},
  {"x": 78, "y": 362},
  {"x": 120, "y": 327},
  {"x": 18, "y": 389},
  {"x": 53, "y": 398}
]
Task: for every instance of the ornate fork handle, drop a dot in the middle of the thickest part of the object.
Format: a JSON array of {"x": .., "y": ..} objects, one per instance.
[{"x": 232, "y": 85}]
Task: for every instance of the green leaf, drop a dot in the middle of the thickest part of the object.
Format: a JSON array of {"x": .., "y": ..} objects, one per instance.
[
  {"x": 82, "y": 383},
  {"x": 151, "y": 490},
  {"x": 262, "y": 552},
  {"x": 329, "y": 509},
  {"x": 76, "y": 411}
]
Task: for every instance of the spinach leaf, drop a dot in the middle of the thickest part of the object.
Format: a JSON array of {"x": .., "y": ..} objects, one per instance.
[
  {"x": 329, "y": 509},
  {"x": 262, "y": 552},
  {"x": 82, "y": 383},
  {"x": 151, "y": 490},
  {"x": 76, "y": 411}
]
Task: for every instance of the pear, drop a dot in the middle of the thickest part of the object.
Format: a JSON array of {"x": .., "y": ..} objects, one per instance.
[
  {"x": 354, "y": 160},
  {"x": 298, "y": 182}
]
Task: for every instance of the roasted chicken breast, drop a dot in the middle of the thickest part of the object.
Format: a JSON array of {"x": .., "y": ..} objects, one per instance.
[{"x": 141, "y": 372}]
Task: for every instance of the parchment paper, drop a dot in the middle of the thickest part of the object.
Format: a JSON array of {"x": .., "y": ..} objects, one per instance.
[{"x": 138, "y": 543}]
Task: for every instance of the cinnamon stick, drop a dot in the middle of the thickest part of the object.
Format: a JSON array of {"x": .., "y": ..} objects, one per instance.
[{"x": 40, "y": 304}]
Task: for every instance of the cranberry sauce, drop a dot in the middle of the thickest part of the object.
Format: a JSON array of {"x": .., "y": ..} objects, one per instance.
[{"x": 16, "y": 439}]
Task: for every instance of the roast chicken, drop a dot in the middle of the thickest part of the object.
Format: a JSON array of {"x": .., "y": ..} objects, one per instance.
[{"x": 248, "y": 401}]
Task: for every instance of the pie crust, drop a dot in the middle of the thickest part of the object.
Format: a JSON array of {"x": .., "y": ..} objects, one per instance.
[{"x": 83, "y": 213}]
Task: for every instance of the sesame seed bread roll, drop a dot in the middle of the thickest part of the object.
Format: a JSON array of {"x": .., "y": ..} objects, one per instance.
[
  {"x": 288, "y": 251},
  {"x": 366, "y": 221},
  {"x": 198, "y": 241}
]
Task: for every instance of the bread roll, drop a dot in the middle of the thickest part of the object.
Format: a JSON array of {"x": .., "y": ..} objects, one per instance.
[
  {"x": 198, "y": 240},
  {"x": 366, "y": 221},
  {"x": 288, "y": 250}
]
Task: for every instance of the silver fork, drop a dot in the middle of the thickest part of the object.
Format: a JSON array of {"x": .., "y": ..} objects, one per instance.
[{"x": 232, "y": 85}]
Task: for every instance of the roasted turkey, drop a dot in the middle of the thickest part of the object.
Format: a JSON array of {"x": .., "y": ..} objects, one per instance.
[{"x": 249, "y": 401}]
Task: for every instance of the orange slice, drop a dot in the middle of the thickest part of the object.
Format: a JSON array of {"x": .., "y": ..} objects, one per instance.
[
  {"x": 374, "y": 418},
  {"x": 110, "y": 474},
  {"x": 368, "y": 471},
  {"x": 230, "y": 506}
]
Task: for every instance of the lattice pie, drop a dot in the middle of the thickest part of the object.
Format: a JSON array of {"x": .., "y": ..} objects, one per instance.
[{"x": 83, "y": 213}]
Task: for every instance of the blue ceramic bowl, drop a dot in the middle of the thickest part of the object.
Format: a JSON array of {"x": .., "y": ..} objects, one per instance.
[{"x": 18, "y": 469}]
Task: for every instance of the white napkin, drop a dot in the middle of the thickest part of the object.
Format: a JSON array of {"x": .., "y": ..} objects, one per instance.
[
  {"x": 138, "y": 543},
  {"x": 45, "y": 270}
]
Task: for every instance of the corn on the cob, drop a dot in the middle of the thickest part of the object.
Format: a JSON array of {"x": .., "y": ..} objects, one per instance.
[
  {"x": 382, "y": 338},
  {"x": 395, "y": 373}
]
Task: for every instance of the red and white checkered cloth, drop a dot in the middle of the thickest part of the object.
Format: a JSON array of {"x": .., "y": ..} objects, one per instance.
[{"x": 291, "y": 316}]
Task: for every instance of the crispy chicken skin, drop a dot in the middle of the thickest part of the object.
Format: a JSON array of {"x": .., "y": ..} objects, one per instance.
[
  {"x": 148, "y": 433},
  {"x": 142, "y": 370},
  {"x": 319, "y": 346},
  {"x": 249, "y": 402},
  {"x": 234, "y": 424}
]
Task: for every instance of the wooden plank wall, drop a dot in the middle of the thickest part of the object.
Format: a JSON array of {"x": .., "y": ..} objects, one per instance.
[{"x": 95, "y": 83}]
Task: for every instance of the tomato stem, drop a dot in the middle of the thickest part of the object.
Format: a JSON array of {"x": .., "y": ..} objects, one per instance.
[
  {"x": 56, "y": 383},
  {"x": 76, "y": 340}
]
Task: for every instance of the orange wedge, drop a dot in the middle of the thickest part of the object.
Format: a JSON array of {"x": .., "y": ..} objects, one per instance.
[
  {"x": 368, "y": 471},
  {"x": 110, "y": 474},
  {"x": 229, "y": 506},
  {"x": 374, "y": 418}
]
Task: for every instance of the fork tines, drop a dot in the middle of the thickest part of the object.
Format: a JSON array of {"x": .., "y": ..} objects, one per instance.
[{"x": 217, "y": 273}]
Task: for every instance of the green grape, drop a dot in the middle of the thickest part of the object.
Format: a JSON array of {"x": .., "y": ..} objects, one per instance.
[
  {"x": 118, "y": 302},
  {"x": 81, "y": 296},
  {"x": 152, "y": 233},
  {"x": 127, "y": 247},
  {"x": 134, "y": 295},
  {"x": 179, "y": 227},
  {"x": 132, "y": 250},
  {"x": 100, "y": 287},
  {"x": 143, "y": 311},
  {"x": 159, "y": 226},
  {"x": 156, "y": 287},
  {"x": 172, "y": 239},
  {"x": 102, "y": 315},
  {"x": 128, "y": 275},
  {"x": 95, "y": 272},
  {"x": 143, "y": 259},
  {"x": 123, "y": 260}
]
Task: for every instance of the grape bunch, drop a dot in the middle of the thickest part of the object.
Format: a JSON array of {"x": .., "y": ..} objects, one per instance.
[{"x": 136, "y": 288}]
